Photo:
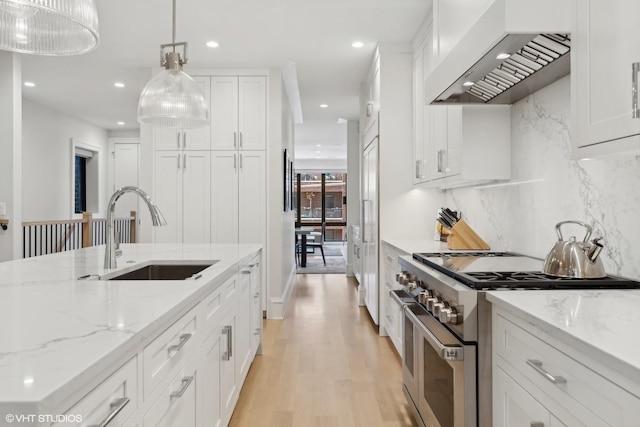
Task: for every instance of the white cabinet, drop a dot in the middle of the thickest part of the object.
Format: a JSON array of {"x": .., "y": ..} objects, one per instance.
[
  {"x": 370, "y": 229},
  {"x": 177, "y": 403},
  {"x": 115, "y": 399},
  {"x": 605, "y": 45},
  {"x": 533, "y": 379},
  {"x": 390, "y": 310},
  {"x": 356, "y": 264},
  {"x": 238, "y": 197},
  {"x": 182, "y": 191},
  {"x": 238, "y": 112},
  {"x": 515, "y": 407},
  {"x": 186, "y": 139},
  {"x": 469, "y": 145},
  {"x": 457, "y": 145}
]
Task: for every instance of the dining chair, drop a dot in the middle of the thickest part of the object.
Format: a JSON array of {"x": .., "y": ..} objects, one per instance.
[{"x": 319, "y": 242}]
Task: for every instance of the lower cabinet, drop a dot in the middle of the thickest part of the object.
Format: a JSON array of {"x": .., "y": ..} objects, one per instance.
[
  {"x": 390, "y": 311},
  {"x": 537, "y": 384},
  {"x": 191, "y": 373}
]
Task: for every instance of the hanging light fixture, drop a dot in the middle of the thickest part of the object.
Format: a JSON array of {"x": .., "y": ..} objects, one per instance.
[
  {"x": 172, "y": 98},
  {"x": 48, "y": 27}
]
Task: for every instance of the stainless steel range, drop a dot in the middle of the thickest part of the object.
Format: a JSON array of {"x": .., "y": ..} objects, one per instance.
[{"x": 447, "y": 327}]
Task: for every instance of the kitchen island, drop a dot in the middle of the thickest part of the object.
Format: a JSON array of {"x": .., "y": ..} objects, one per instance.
[
  {"x": 65, "y": 330},
  {"x": 574, "y": 355}
]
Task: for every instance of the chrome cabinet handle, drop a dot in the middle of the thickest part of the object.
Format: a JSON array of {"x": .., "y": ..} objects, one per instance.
[
  {"x": 240, "y": 155},
  {"x": 235, "y": 140},
  {"x": 178, "y": 139},
  {"x": 440, "y": 160},
  {"x": 257, "y": 295},
  {"x": 419, "y": 164},
  {"x": 235, "y": 165},
  {"x": 241, "y": 140},
  {"x": 186, "y": 381},
  {"x": 178, "y": 160},
  {"x": 184, "y": 161},
  {"x": 536, "y": 424},
  {"x": 184, "y": 139},
  {"x": 537, "y": 365},
  {"x": 226, "y": 330},
  {"x": 256, "y": 332},
  {"x": 635, "y": 68},
  {"x": 183, "y": 340},
  {"x": 116, "y": 406}
]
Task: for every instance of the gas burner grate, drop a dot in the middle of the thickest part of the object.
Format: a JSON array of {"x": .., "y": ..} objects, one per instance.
[
  {"x": 537, "y": 280},
  {"x": 423, "y": 255}
]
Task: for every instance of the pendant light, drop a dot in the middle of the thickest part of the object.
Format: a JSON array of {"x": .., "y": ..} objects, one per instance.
[
  {"x": 48, "y": 27},
  {"x": 172, "y": 98}
]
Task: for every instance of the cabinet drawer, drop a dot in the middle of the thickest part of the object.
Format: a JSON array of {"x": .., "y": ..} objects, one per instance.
[
  {"x": 591, "y": 398},
  {"x": 176, "y": 406},
  {"x": 116, "y": 397},
  {"x": 168, "y": 351},
  {"x": 214, "y": 304}
]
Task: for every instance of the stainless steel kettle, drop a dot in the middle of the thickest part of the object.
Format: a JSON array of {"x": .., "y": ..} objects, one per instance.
[{"x": 570, "y": 258}]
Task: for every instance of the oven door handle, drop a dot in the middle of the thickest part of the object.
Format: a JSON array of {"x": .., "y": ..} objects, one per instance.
[{"x": 446, "y": 352}]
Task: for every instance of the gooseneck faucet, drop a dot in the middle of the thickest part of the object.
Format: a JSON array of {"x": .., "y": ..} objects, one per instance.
[{"x": 156, "y": 218}]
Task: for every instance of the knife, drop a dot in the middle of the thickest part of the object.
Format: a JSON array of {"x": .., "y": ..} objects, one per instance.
[
  {"x": 449, "y": 216},
  {"x": 443, "y": 223}
]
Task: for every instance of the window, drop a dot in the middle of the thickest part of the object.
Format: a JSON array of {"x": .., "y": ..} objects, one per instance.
[
  {"x": 85, "y": 178},
  {"x": 80, "y": 183}
]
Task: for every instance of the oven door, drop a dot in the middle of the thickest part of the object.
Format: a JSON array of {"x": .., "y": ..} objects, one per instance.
[{"x": 444, "y": 373}]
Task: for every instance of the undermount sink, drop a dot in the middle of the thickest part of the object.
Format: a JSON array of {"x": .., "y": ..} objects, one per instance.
[{"x": 165, "y": 271}]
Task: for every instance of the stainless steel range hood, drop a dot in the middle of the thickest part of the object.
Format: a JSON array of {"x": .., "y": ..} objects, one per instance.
[{"x": 534, "y": 34}]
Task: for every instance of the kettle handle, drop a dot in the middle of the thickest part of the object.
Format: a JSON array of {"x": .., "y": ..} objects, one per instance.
[{"x": 587, "y": 226}]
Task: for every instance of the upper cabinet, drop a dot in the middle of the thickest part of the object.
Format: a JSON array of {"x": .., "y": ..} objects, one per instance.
[
  {"x": 455, "y": 145},
  {"x": 186, "y": 139},
  {"x": 238, "y": 113},
  {"x": 605, "y": 61}
]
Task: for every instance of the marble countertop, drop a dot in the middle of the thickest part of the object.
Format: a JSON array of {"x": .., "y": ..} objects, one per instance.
[
  {"x": 602, "y": 325},
  {"x": 416, "y": 245},
  {"x": 58, "y": 332}
]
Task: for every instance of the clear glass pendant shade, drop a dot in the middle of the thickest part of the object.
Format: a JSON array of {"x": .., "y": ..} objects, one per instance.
[
  {"x": 173, "y": 99},
  {"x": 48, "y": 27}
]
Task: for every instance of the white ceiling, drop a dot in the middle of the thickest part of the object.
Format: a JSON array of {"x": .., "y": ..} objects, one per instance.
[{"x": 311, "y": 36}]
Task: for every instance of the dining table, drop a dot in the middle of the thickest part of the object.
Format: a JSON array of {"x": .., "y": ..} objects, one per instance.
[{"x": 303, "y": 232}]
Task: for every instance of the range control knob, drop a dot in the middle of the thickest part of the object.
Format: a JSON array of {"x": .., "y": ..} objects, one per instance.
[
  {"x": 450, "y": 316},
  {"x": 432, "y": 301},
  {"x": 404, "y": 277},
  {"x": 413, "y": 284},
  {"x": 438, "y": 307}
]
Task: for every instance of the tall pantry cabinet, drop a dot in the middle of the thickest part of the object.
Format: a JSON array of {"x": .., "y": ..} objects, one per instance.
[
  {"x": 210, "y": 183},
  {"x": 386, "y": 137}
]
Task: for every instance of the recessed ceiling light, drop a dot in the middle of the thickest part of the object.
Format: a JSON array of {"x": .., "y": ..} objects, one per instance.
[
  {"x": 29, "y": 84},
  {"x": 318, "y": 145},
  {"x": 357, "y": 44},
  {"x": 120, "y": 123},
  {"x": 324, "y": 106},
  {"x": 503, "y": 55},
  {"x": 119, "y": 84},
  {"x": 213, "y": 43},
  {"x": 469, "y": 83}
]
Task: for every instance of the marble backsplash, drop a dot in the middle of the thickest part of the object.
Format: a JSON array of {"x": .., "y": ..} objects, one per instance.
[{"x": 548, "y": 187}]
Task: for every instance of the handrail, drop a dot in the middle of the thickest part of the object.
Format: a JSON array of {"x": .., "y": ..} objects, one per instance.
[{"x": 45, "y": 237}]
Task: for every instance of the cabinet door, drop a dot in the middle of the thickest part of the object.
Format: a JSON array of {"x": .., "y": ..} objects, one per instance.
[
  {"x": 224, "y": 113},
  {"x": 252, "y": 113},
  {"x": 513, "y": 406},
  {"x": 224, "y": 196},
  {"x": 196, "y": 197},
  {"x": 605, "y": 44},
  {"x": 370, "y": 229},
  {"x": 168, "y": 195},
  {"x": 252, "y": 197},
  {"x": 228, "y": 360},
  {"x": 177, "y": 404},
  {"x": 436, "y": 141},
  {"x": 243, "y": 335},
  {"x": 199, "y": 138},
  {"x": 208, "y": 392}
]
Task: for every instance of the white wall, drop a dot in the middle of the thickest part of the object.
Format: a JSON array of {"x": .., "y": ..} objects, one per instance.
[
  {"x": 47, "y": 167},
  {"x": 281, "y": 271},
  {"x": 353, "y": 187},
  {"x": 548, "y": 187}
]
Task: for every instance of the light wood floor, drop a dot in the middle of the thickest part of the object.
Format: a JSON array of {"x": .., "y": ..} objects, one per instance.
[{"x": 323, "y": 365}]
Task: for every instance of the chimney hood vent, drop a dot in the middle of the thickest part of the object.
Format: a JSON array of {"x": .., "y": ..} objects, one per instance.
[{"x": 501, "y": 59}]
